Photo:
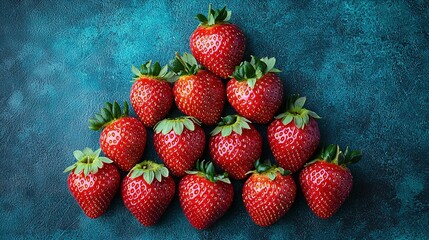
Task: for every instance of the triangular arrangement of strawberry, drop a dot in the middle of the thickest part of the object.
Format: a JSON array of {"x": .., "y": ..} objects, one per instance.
[{"x": 254, "y": 90}]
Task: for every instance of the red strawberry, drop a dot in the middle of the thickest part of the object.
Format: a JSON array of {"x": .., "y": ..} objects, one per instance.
[
  {"x": 151, "y": 94},
  {"x": 235, "y": 145},
  {"x": 93, "y": 181},
  {"x": 179, "y": 142},
  {"x": 217, "y": 44},
  {"x": 256, "y": 91},
  {"x": 147, "y": 191},
  {"x": 205, "y": 196},
  {"x": 268, "y": 193},
  {"x": 198, "y": 93},
  {"x": 123, "y": 138},
  {"x": 294, "y": 135},
  {"x": 326, "y": 182}
]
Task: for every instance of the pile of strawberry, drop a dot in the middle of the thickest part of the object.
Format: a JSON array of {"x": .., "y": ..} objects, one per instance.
[{"x": 255, "y": 91}]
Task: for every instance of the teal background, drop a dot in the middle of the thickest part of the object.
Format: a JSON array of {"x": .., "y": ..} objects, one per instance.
[{"x": 363, "y": 65}]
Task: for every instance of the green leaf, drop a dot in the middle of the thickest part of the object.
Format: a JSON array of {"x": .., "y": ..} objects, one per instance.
[
  {"x": 163, "y": 71},
  {"x": 164, "y": 171},
  {"x": 275, "y": 70},
  {"x": 215, "y": 131},
  {"x": 86, "y": 169},
  {"x": 106, "y": 114},
  {"x": 299, "y": 103},
  {"x": 330, "y": 152},
  {"x": 226, "y": 131},
  {"x": 149, "y": 176},
  {"x": 201, "y": 18},
  {"x": 88, "y": 151},
  {"x": 228, "y": 16},
  {"x": 94, "y": 168},
  {"x": 299, "y": 121},
  {"x": 79, "y": 168},
  {"x": 105, "y": 160},
  {"x": 136, "y": 173},
  {"x": 78, "y": 155},
  {"x": 191, "y": 172},
  {"x": 178, "y": 127},
  {"x": 156, "y": 68},
  {"x": 189, "y": 124},
  {"x": 109, "y": 106},
  {"x": 287, "y": 119},
  {"x": 97, "y": 152},
  {"x": 251, "y": 82},
  {"x": 125, "y": 108},
  {"x": 116, "y": 110},
  {"x": 135, "y": 70},
  {"x": 69, "y": 168},
  {"x": 313, "y": 115},
  {"x": 270, "y": 62},
  {"x": 244, "y": 124},
  {"x": 272, "y": 176},
  {"x": 98, "y": 163},
  {"x": 225, "y": 180},
  {"x": 158, "y": 176},
  {"x": 210, "y": 169},
  {"x": 237, "y": 128}
]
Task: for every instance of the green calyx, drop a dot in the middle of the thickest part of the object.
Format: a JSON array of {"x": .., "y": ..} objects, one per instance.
[
  {"x": 108, "y": 114},
  {"x": 153, "y": 71},
  {"x": 88, "y": 161},
  {"x": 214, "y": 16},
  {"x": 269, "y": 170},
  {"x": 207, "y": 170},
  {"x": 297, "y": 112},
  {"x": 231, "y": 123},
  {"x": 333, "y": 154},
  {"x": 176, "y": 124},
  {"x": 149, "y": 170},
  {"x": 254, "y": 70},
  {"x": 184, "y": 65}
]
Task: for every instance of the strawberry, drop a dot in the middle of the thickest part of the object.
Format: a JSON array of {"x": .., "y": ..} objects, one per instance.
[
  {"x": 268, "y": 193},
  {"x": 93, "y": 181},
  {"x": 294, "y": 135},
  {"x": 235, "y": 145},
  {"x": 179, "y": 142},
  {"x": 151, "y": 95},
  {"x": 198, "y": 93},
  {"x": 147, "y": 191},
  {"x": 326, "y": 181},
  {"x": 218, "y": 44},
  {"x": 123, "y": 138},
  {"x": 256, "y": 91},
  {"x": 205, "y": 196}
]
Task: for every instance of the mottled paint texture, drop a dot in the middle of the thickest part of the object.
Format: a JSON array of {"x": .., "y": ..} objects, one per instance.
[{"x": 363, "y": 65}]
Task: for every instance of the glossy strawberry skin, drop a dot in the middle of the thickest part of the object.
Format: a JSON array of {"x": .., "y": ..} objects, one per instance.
[
  {"x": 325, "y": 187},
  {"x": 124, "y": 141},
  {"x": 219, "y": 47},
  {"x": 293, "y": 146},
  {"x": 267, "y": 200},
  {"x": 236, "y": 153},
  {"x": 202, "y": 201},
  {"x": 147, "y": 202},
  {"x": 201, "y": 96},
  {"x": 179, "y": 152},
  {"x": 151, "y": 99},
  {"x": 260, "y": 103},
  {"x": 95, "y": 191}
]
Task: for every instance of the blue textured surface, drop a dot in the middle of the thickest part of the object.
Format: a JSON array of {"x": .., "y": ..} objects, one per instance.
[{"x": 364, "y": 66}]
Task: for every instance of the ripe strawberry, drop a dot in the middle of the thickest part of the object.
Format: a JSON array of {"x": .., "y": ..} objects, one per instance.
[
  {"x": 92, "y": 181},
  {"x": 198, "y": 93},
  {"x": 123, "y": 138},
  {"x": 256, "y": 91},
  {"x": 235, "y": 145},
  {"x": 205, "y": 196},
  {"x": 218, "y": 44},
  {"x": 326, "y": 182},
  {"x": 151, "y": 94},
  {"x": 268, "y": 193},
  {"x": 179, "y": 142},
  {"x": 147, "y": 191},
  {"x": 294, "y": 135}
]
